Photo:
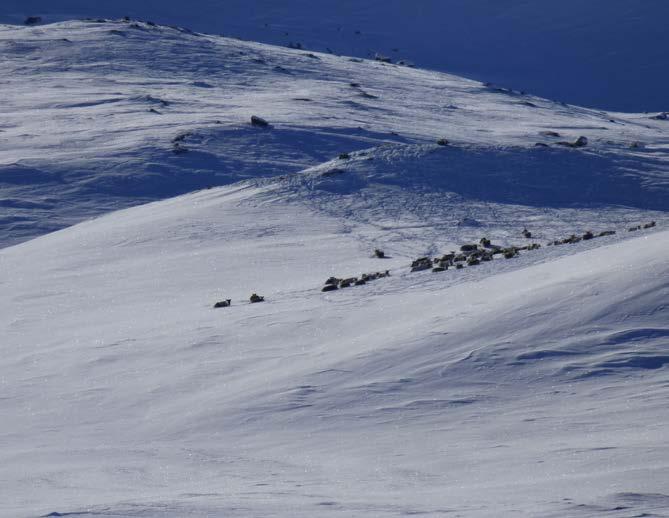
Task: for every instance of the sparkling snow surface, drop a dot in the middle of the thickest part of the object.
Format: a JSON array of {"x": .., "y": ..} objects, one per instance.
[{"x": 533, "y": 386}]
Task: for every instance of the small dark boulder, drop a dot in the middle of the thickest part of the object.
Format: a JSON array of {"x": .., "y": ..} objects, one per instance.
[
  {"x": 550, "y": 134},
  {"x": 379, "y": 253},
  {"x": 330, "y": 287},
  {"x": 442, "y": 142},
  {"x": 223, "y": 303},
  {"x": 527, "y": 234},
  {"x": 256, "y": 298},
  {"x": 344, "y": 156},
  {"x": 649, "y": 225},
  {"x": 33, "y": 20},
  {"x": 661, "y": 116},
  {"x": 438, "y": 269},
  {"x": 634, "y": 229},
  {"x": 485, "y": 242},
  {"x": 178, "y": 149},
  {"x": 259, "y": 122},
  {"x": 588, "y": 235},
  {"x": 607, "y": 233}
]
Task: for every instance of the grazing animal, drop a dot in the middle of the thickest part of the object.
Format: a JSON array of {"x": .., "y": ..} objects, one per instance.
[
  {"x": 580, "y": 142},
  {"x": 379, "y": 253},
  {"x": 223, "y": 303},
  {"x": 256, "y": 298},
  {"x": 422, "y": 263}
]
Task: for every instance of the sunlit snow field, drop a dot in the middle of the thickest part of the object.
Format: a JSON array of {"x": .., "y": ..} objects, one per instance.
[{"x": 530, "y": 386}]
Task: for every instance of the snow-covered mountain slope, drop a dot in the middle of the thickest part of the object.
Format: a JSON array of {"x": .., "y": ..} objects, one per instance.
[
  {"x": 609, "y": 54},
  {"x": 99, "y": 116},
  {"x": 531, "y": 386}
]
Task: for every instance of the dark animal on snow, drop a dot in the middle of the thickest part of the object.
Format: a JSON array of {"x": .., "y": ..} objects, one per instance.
[
  {"x": 223, "y": 304},
  {"x": 580, "y": 142},
  {"x": 256, "y": 298}
]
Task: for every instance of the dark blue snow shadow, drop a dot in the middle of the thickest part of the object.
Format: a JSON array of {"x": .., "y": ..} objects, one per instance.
[
  {"x": 533, "y": 177},
  {"x": 216, "y": 157},
  {"x": 37, "y": 200},
  {"x": 18, "y": 174}
]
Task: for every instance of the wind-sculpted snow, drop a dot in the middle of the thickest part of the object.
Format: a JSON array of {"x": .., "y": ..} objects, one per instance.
[
  {"x": 99, "y": 116},
  {"x": 534, "y": 384},
  {"x": 537, "y": 383}
]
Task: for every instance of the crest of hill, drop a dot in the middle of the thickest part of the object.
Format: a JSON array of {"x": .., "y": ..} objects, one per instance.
[{"x": 609, "y": 54}]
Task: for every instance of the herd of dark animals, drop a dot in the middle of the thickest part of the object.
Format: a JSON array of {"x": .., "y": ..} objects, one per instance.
[
  {"x": 471, "y": 254},
  {"x": 335, "y": 283}
]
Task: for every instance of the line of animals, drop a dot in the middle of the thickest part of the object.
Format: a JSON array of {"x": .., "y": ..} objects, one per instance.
[
  {"x": 475, "y": 254},
  {"x": 335, "y": 283},
  {"x": 471, "y": 254}
]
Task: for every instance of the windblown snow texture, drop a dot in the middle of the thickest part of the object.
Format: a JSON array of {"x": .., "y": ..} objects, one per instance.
[{"x": 532, "y": 386}]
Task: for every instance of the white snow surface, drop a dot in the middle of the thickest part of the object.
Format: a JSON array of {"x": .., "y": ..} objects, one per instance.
[
  {"x": 609, "y": 54},
  {"x": 535, "y": 386},
  {"x": 532, "y": 386},
  {"x": 78, "y": 136}
]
